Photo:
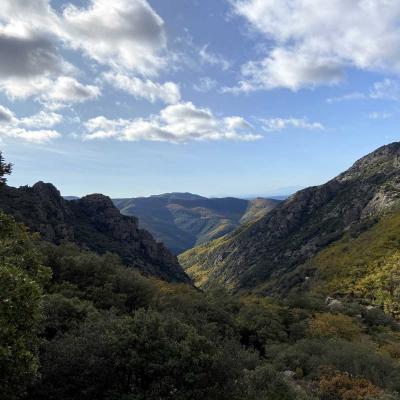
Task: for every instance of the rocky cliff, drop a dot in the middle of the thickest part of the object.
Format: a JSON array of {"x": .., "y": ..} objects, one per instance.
[
  {"x": 92, "y": 222},
  {"x": 266, "y": 252}
]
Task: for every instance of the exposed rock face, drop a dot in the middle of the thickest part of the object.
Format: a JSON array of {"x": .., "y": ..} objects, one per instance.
[
  {"x": 91, "y": 222},
  {"x": 298, "y": 228}
]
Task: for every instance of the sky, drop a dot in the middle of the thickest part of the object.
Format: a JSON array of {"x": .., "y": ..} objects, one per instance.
[{"x": 216, "y": 97}]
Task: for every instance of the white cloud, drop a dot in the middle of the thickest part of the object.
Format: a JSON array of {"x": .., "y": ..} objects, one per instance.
[
  {"x": 121, "y": 33},
  {"x": 379, "y": 115},
  {"x": 55, "y": 93},
  {"x": 207, "y": 57},
  {"x": 13, "y": 127},
  {"x": 34, "y": 136},
  {"x": 6, "y": 115},
  {"x": 387, "y": 89},
  {"x": 167, "y": 92},
  {"x": 178, "y": 123},
  {"x": 42, "y": 120},
  {"x": 312, "y": 43},
  {"x": 25, "y": 56},
  {"x": 67, "y": 90},
  {"x": 127, "y": 35},
  {"x": 278, "y": 124},
  {"x": 31, "y": 66},
  {"x": 287, "y": 68},
  {"x": 205, "y": 84},
  {"x": 347, "y": 97}
]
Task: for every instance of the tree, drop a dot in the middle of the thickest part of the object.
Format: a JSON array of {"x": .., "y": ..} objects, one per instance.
[
  {"x": 340, "y": 386},
  {"x": 22, "y": 276},
  {"x": 5, "y": 169},
  {"x": 334, "y": 325}
]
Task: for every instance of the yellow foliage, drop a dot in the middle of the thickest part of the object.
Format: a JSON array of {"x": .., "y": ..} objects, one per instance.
[
  {"x": 365, "y": 266},
  {"x": 334, "y": 325},
  {"x": 339, "y": 386},
  {"x": 382, "y": 284}
]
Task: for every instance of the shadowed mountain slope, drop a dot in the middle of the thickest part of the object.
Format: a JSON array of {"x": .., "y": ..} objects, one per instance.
[
  {"x": 272, "y": 253},
  {"x": 92, "y": 222}
]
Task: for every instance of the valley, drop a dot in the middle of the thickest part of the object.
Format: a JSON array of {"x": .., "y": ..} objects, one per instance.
[
  {"x": 295, "y": 299},
  {"x": 184, "y": 220}
]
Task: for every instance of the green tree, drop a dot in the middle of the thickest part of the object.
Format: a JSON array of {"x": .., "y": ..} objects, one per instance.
[
  {"x": 21, "y": 278},
  {"x": 5, "y": 169}
]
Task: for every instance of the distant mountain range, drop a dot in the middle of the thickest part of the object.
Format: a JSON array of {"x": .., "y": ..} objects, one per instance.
[
  {"x": 340, "y": 238},
  {"x": 184, "y": 220}
]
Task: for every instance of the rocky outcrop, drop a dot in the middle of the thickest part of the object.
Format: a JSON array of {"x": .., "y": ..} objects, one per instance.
[
  {"x": 92, "y": 222},
  {"x": 288, "y": 236}
]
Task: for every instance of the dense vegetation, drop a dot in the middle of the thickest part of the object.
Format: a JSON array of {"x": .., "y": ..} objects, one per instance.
[
  {"x": 75, "y": 324},
  {"x": 106, "y": 332}
]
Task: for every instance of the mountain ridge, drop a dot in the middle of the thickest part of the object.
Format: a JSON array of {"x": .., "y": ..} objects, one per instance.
[
  {"x": 183, "y": 220},
  {"x": 92, "y": 222},
  {"x": 300, "y": 227}
]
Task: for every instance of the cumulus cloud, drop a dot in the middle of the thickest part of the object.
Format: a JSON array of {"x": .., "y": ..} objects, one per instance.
[
  {"x": 31, "y": 66},
  {"x": 25, "y": 128},
  {"x": 121, "y": 33},
  {"x": 168, "y": 92},
  {"x": 178, "y": 123},
  {"x": 288, "y": 68},
  {"x": 33, "y": 136},
  {"x": 127, "y": 35},
  {"x": 68, "y": 90},
  {"x": 56, "y": 93},
  {"x": 24, "y": 57},
  {"x": 312, "y": 45},
  {"x": 41, "y": 120},
  {"x": 278, "y": 124}
]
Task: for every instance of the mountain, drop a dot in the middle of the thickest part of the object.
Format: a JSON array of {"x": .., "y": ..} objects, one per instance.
[
  {"x": 184, "y": 220},
  {"x": 92, "y": 222},
  {"x": 327, "y": 239}
]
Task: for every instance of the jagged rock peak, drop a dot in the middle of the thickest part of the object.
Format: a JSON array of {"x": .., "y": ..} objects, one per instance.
[
  {"x": 92, "y": 222},
  {"x": 46, "y": 188}
]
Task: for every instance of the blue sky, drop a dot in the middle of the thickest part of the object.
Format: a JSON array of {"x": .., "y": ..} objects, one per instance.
[{"x": 222, "y": 97}]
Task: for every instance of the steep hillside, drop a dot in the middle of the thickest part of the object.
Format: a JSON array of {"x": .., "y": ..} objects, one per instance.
[
  {"x": 364, "y": 266},
  {"x": 269, "y": 254},
  {"x": 91, "y": 222},
  {"x": 184, "y": 220}
]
